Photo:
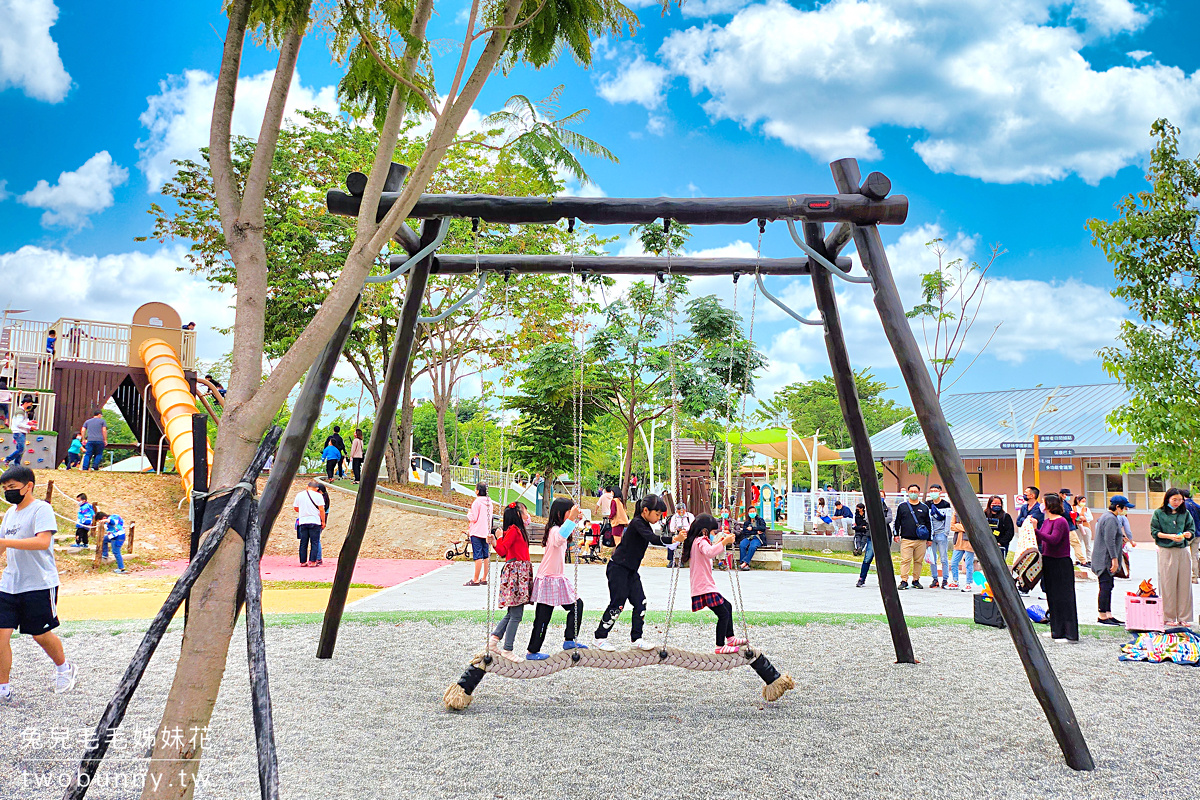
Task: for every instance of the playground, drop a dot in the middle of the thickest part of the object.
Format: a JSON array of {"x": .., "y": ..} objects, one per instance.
[{"x": 862, "y": 726}]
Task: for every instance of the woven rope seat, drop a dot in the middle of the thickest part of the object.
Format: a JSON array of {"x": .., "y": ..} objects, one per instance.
[{"x": 458, "y": 696}]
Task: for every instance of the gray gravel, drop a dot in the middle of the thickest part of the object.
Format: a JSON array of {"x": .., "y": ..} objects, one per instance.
[{"x": 369, "y": 723}]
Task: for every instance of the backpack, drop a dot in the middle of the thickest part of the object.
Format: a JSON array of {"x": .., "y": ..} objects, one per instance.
[{"x": 606, "y": 534}]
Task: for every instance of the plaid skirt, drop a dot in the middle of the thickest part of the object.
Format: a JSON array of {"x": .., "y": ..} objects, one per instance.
[
  {"x": 707, "y": 600},
  {"x": 516, "y": 584},
  {"x": 554, "y": 590}
]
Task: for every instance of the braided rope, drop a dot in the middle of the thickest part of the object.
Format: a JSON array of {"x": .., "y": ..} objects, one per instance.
[{"x": 619, "y": 659}]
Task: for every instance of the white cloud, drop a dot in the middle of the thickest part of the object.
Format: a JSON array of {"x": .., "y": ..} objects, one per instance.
[
  {"x": 1018, "y": 304},
  {"x": 4, "y": 193},
  {"x": 635, "y": 81},
  {"x": 29, "y": 58},
  {"x": 997, "y": 91},
  {"x": 111, "y": 287},
  {"x": 711, "y": 8},
  {"x": 77, "y": 194},
  {"x": 178, "y": 116},
  {"x": 656, "y": 125},
  {"x": 1139, "y": 55}
]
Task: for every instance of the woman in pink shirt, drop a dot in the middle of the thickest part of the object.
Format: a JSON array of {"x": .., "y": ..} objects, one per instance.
[
  {"x": 479, "y": 519},
  {"x": 551, "y": 588},
  {"x": 703, "y": 544}
]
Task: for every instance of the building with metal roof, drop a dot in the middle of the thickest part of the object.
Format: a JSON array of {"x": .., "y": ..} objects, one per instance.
[
  {"x": 982, "y": 421},
  {"x": 996, "y": 432}
]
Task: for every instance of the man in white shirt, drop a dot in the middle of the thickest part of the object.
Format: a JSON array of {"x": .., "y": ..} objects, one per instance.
[
  {"x": 309, "y": 506},
  {"x": 29, "y": 585}
]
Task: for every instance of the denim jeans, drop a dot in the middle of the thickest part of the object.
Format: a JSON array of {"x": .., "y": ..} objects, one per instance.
[
  {"x": 747, "y": 548},
  {"x": 868, "y": 557},
  {"x": 941, "y": 548},
  {"x": 117, "y": 542},
  {"x": 18, "y": 449},
  {"x": 969, "y": 566},
  {"x": 92, "y": 455},
  {"x": 310, "y": 543}
]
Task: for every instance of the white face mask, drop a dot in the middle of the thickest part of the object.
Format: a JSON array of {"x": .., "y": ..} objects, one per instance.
[{"x": 934, "y": 496}]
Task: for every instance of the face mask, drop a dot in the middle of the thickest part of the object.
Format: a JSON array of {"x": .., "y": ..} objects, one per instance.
[
  {"x": 997, "y": 509},
  {"x": 934, "y": 496},
  {"x": 13, "y": 496},
  {"x": 753, "y": 514},
  {"x": 725, "y": 515},
  {"x": 913, "y": 496}
]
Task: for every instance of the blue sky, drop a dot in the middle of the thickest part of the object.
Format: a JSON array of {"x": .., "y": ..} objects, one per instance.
[{"x": 1003, "y": 122}]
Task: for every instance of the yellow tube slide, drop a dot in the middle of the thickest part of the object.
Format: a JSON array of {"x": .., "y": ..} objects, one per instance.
[{"x": 175, "y": 404}]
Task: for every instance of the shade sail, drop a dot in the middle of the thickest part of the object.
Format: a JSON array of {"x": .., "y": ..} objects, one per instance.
[{"x": 773, "y": 444}]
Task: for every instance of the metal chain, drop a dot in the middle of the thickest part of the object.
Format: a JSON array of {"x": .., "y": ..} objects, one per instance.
[
  {"x": 735, "y": 578},
  {"x": 576, "y": 405},
  {"x": 676, "y": 561}
]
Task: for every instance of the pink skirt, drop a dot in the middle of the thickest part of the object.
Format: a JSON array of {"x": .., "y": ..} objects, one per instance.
[
  {"x": 554, "y": 590},
  {"x": 516, "y": 582}
]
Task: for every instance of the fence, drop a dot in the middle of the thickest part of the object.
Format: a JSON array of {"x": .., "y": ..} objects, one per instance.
[
  {"x": 43, "y": 406},
  {"x": 800, "y": 505},
  {"x": 95, "y": 342}
]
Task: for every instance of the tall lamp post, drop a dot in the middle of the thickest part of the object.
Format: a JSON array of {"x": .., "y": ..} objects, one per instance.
[{"x": 1011, "y": 423}]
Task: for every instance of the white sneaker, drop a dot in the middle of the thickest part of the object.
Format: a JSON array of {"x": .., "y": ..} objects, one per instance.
[
  {"x": 966, "y": 587},
  {"x": 606, "y": 646},
  {"x": 65, "y": 681},
  {"x": 643, "y": 644}
]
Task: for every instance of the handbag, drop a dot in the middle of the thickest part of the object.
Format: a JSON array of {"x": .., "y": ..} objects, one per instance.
[
  {"x": 606, "y": 534},
  {"x": 1122, "y": 566},
  {"x": 987, "y": 612}
]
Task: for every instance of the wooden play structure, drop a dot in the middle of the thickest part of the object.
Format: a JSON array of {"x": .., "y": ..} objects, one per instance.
[
  {"x": 94, "y": 362},
  {"x": 856, "y": 209}
]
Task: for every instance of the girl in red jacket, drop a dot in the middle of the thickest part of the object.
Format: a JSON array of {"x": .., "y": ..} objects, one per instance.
[{"x": 516, "y": 578}]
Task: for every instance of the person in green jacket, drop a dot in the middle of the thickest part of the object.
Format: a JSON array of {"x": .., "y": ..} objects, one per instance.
[{"x": 1173, "y": 528}]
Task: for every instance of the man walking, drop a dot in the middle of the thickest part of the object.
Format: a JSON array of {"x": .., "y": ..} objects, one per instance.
[
  {"x": 336, "y": 440},
  {"x": 869, "y": 553},
  {"x": 94, "y": 434},
  {"x": 913, "y": 530}
]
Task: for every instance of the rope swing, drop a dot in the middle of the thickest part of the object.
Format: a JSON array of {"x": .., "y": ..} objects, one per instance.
[{"x": 458, "y": 696}]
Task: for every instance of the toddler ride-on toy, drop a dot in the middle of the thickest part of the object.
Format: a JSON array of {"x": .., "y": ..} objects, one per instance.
[{"x": 459, "y": 548}]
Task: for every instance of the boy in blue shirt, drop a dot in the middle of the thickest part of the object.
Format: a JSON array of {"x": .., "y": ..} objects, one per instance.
[
  {"x": 114, "y": 537},
  {"x": 332, "y": 457},
  {"x": 84, "y": 520}
]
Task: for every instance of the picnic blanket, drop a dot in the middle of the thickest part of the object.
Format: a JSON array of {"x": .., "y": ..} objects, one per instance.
[{"x": 1179, "y": 645}]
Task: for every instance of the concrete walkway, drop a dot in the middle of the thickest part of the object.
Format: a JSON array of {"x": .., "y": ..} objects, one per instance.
[{"x": 762, "y": 590}]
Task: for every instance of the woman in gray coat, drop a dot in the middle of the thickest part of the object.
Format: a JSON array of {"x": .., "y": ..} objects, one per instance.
[{"x": 1106, "y": 555}]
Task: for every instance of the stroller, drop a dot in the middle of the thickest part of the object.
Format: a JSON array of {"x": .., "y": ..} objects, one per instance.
[{"x": 592, "y": 556}]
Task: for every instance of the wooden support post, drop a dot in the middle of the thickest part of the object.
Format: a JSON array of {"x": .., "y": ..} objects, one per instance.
[
  {"x": 860, "y": 440},
  {"x": 129, "y": 538},
  {"x": 402, "y": 346},
  {"x": 1045, "y": 683},
  {"x": 49, "y": 490}
]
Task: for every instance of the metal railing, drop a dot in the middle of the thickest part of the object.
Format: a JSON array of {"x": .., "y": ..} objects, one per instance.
[{"x": 92, "y": 341}]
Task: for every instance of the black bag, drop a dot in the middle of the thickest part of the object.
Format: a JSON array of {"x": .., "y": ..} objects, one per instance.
[
  {"x": 1122, "y": 567},
  {"x": 606, "y": 534},
  {"x": 923, "y": 532},
  {"x": 987, "y": 612}
]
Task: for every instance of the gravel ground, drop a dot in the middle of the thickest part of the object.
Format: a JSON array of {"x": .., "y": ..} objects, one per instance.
[{"x": 369, "y": 723}]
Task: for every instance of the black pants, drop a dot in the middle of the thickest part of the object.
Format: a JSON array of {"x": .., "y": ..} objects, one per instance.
[
  {"x": 1104, "y": 601},
  {"x": 356, "y": 463},
  {"x": 541, "y": 621},
  {"x": 81, "y": 535},
  {"x": 1058, "y": 581},
  {"x": 624, "y": 584},
  {"x": 724, "y": 614},
  {"x": 330, "y": 466}
]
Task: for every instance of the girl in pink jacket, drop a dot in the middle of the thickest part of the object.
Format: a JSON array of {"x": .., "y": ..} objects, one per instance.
[
  {"x": 704, "y": 543},
  {"x": 479, "y": 518}
]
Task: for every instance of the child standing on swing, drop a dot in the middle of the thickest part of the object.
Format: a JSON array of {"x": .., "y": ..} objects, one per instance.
[
  {"x": 516, "y": 577},
  {"x": 624, "y": 582},
  {"x": 551, "y": 588},
  {"x": 704, "y": 543}
]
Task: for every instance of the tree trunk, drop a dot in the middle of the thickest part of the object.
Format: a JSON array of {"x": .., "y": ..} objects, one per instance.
[
  {"x": 443, "y": 449},
  {"x": 627, "y": 468}
]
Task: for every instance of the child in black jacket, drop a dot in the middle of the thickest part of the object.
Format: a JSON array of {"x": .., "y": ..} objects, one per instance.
[{"x": 624, "y": 582}]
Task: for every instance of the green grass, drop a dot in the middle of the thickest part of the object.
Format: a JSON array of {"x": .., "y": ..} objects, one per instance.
[
  {"x": 801, "y": 565},
  {"x": 509, "y": 497},
  {"x": 754, "y": 618},
  {"x": 388, "y": 494}
]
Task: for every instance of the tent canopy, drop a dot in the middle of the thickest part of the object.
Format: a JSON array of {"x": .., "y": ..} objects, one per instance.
[{"x": 772, "y": 443}]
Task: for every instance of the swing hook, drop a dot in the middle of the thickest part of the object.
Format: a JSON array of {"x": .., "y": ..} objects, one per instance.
[
  {"x": 736, "y": 275},
  {"x": 474, "y": 224},
  {"x": 762, "y": 225},
  {"x": 508, "y": 273},
  {"x": 660, "y": 277},
  {"x": 570, "y": 224},
  {"x": 666, "y": 224}
]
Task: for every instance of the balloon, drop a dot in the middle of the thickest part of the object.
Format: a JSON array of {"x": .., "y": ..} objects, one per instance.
[{"x": 978, "y": 578}]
